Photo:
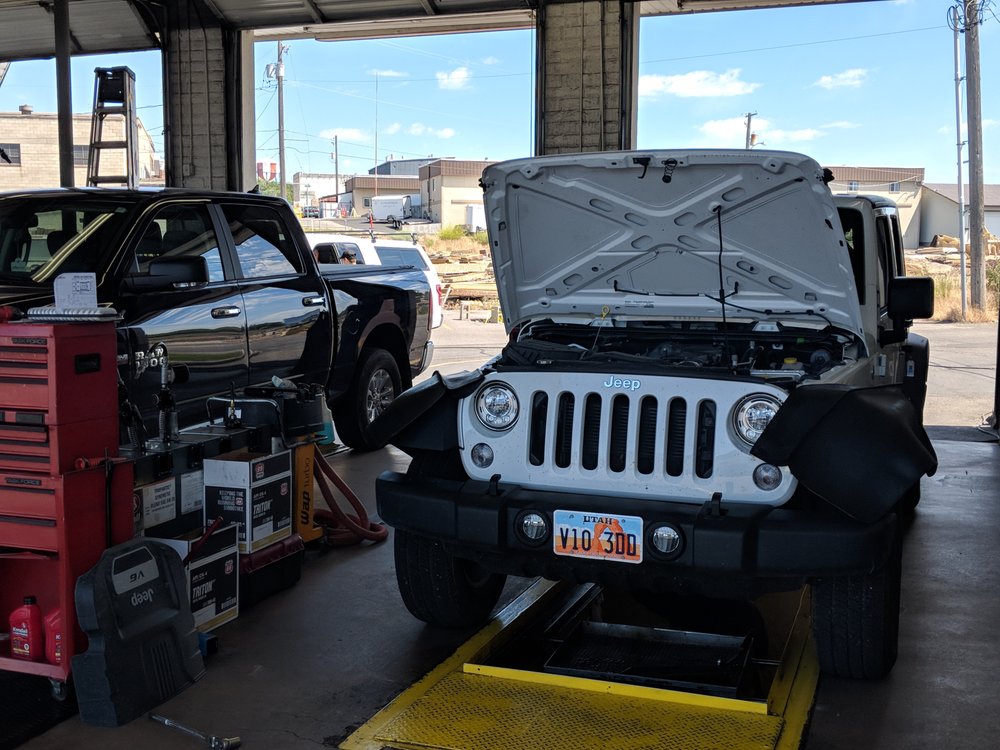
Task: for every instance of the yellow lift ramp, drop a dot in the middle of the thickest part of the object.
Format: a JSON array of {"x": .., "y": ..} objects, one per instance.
[{"x": 604, "y": 685}]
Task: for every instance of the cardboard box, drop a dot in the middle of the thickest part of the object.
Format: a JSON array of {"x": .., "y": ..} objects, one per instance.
[
  {"x": 213, "y": 575},
  {"x": 253, "y": 490},
  {"x": 170, "y": 507}
]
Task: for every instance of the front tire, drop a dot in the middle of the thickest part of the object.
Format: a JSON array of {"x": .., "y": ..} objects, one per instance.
[
  {"x": 376, "y": 384},
  {"x": 442, "y": 589},
  {"x": 856, "y": 620}
]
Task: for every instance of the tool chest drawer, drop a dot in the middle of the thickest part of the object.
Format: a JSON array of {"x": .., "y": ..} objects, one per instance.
[
  {"x": 27, "y": 443},
  {"x": 67, "y": 370}
]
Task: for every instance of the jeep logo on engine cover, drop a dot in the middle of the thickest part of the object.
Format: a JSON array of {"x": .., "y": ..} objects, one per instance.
[{"x": 626, "y": 384}]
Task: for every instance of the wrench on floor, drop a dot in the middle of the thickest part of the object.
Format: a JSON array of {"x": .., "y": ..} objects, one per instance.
[{"x": 213, "y": 742}]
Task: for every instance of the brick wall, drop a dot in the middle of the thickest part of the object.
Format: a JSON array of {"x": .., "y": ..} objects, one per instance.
[
  {"x": 587, "y": 75},
  {"x": 37, "y": 135}
]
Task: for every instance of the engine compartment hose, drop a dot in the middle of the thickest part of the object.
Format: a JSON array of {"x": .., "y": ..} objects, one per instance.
[{"x": 342, "y": 529}]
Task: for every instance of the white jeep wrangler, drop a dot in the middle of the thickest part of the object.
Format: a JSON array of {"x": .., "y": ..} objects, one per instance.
[{"x": 709, "y": 388}]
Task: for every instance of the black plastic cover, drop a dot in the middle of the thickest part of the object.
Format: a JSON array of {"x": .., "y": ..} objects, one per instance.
[
  {"x": 134, "y": 608},
  {"x": 860, "y": 449},
  {"x": 419, "y": 419}
]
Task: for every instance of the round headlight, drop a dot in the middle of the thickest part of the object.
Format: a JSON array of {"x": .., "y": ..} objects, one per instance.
[
  {"x": 496, "y": 406},
  {"x": 753, "y": 414}
]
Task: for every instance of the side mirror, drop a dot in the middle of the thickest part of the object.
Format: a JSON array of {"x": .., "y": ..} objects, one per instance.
[
  {"x": 165, "y": 273},
  {"x": 326, "y": 252},
  {"x": 911, "y": 297}
]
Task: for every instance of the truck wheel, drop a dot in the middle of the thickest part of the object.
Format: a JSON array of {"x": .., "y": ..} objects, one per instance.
[
  {"x": 376, "y": 385},
  {"x": 442, "y": 589},
  {"x": 856, "y": 621}
]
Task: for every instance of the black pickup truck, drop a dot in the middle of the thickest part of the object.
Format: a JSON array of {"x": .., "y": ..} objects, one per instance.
[{"x": 227, "y": 284}]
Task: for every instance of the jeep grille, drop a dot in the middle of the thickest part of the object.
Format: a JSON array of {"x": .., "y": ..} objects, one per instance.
[{"x": 629, "y": 426}]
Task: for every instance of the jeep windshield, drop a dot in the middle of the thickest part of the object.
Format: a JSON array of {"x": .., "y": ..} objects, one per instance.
[{"x": 42, "y": 237}]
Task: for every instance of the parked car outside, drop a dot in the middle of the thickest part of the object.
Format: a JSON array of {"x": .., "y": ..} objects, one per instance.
[
  {"x": 310, "y": 212},
  {"x": 386, "y": 252}
]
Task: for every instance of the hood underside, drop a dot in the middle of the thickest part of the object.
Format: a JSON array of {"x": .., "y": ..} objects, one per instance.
[{"x": 637, "y": 235}]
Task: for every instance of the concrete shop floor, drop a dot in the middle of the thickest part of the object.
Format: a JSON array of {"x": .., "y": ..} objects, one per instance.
[{"x": 306, "y": 666}]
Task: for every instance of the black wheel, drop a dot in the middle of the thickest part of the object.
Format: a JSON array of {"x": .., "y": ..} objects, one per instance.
[
  {"x": 60, "y": 689},
  {"x": 441, "y": 589},
  {"x": 856, "y": 621},
  {"x": 376, "y": 385}
]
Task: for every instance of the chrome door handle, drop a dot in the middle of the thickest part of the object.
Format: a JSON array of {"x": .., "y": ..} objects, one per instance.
[
  {"x": 313, "y": 301},
  {"x": 225, "y": 312}
]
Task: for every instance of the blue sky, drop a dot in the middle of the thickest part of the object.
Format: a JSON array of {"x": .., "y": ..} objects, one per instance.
[{"x": 865, "y": 84}]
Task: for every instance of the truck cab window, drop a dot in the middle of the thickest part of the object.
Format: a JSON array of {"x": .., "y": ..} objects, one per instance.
[
  {"x": 884, "y": 238},
  {"x": 180, "y": 231},
  {"x": 263, "y": 245},
  {"x": 854, "y": 237}
]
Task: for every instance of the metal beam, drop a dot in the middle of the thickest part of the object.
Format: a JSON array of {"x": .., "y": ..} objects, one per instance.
[
  {"x": 314, "y": 11},
  {"x": 64, "y": 92}
]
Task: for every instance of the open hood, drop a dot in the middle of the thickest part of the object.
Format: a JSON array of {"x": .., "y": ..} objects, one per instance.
[{"x": 637, "y": 235}]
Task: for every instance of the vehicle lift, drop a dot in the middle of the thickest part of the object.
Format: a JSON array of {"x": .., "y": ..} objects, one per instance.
[{"x": 552, "y": 670}]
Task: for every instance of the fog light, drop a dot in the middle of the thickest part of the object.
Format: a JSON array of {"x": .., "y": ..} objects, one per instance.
[
  {"x": 482, "y": 455},
  {"x": 534, "y": 527},
  {"x": 767, "y": 476},
  {"x": 666, "y": 539}
]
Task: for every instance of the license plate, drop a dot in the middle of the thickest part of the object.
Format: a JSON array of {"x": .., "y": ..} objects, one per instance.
[{"x": 597, "y": 536}]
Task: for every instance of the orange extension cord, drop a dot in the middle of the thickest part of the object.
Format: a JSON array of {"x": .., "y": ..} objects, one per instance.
[{"x": 342, "y": 529}]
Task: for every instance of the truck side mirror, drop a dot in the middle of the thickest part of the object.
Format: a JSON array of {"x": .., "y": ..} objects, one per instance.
[
  {"x": 166, "y": 273},
  {"x": 911, "y": 297},
  {"x": 326, "y": 252}
]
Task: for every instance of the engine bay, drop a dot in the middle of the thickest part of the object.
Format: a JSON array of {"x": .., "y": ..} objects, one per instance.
[{"x": 774, "y": 351}]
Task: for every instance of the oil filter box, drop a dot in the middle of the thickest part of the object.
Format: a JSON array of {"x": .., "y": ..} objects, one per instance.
[
  {"x": 255, "y": 491},
  {"x": 212, "y": 574}
]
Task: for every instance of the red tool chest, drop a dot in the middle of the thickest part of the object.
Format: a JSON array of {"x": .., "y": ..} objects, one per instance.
[{"x": 58, "y": 403}]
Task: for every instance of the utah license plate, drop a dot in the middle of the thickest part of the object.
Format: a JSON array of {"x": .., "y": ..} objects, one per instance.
[{"x": 597, "y": 536}]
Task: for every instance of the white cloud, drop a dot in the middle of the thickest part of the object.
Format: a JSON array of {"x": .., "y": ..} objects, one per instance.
[
  {"x": 776, "y": 137},
  {"x": 697, "y": 83},
  {"x": 456, "y": 79},
  {"x": 393, "y": 129},
  {"x": 491, "y": 60},
  {"x": 852, "y": 78},
  {"x": 731, "y": 132},
  {"x": 345, "y": 134},
  {"x": 418, "y": 129},
  {"x": 387, "y": 73},
  {"x": 840, "y": 125}
]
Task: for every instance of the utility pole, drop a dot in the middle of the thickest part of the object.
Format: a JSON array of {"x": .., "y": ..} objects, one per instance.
[
  {"x": 336, "y": 169},
  {"x": 280, "y": 75},
  {"x": 973, "y": 99},
  {"x": 750, "y": 116},
  {"x": 376, "y": 132},
  {"x": 960, "y": 144}
]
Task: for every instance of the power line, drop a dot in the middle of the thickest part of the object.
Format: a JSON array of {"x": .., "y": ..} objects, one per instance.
[{"x": 790, "y": 46}]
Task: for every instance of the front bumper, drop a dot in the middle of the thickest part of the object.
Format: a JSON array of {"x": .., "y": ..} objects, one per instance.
[{"x": 744, "y": 551}]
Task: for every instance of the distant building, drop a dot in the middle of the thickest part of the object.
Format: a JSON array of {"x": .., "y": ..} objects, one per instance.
[
  {"x": 31, "y": 142},
  {"x": 403, "y": 167},
  {"x": 363, "y": 187},
  {"x": 900, "y": 184},
  {"x": 939, "y": 210},
  {"x": 309, "y": 187},
  {"x": 448, "y": 186}
]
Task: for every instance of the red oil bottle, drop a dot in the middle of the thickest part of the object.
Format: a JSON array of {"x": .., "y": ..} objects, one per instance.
[
  {"x": 53, "y": 637},
  {"x": 26, "y": 631}
]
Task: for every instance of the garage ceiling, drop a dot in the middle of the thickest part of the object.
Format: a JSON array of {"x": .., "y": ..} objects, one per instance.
[{"x": 26, "y": 26}]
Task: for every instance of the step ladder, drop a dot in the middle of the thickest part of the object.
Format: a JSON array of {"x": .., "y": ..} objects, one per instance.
[{"x": 114, "y": 94}]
